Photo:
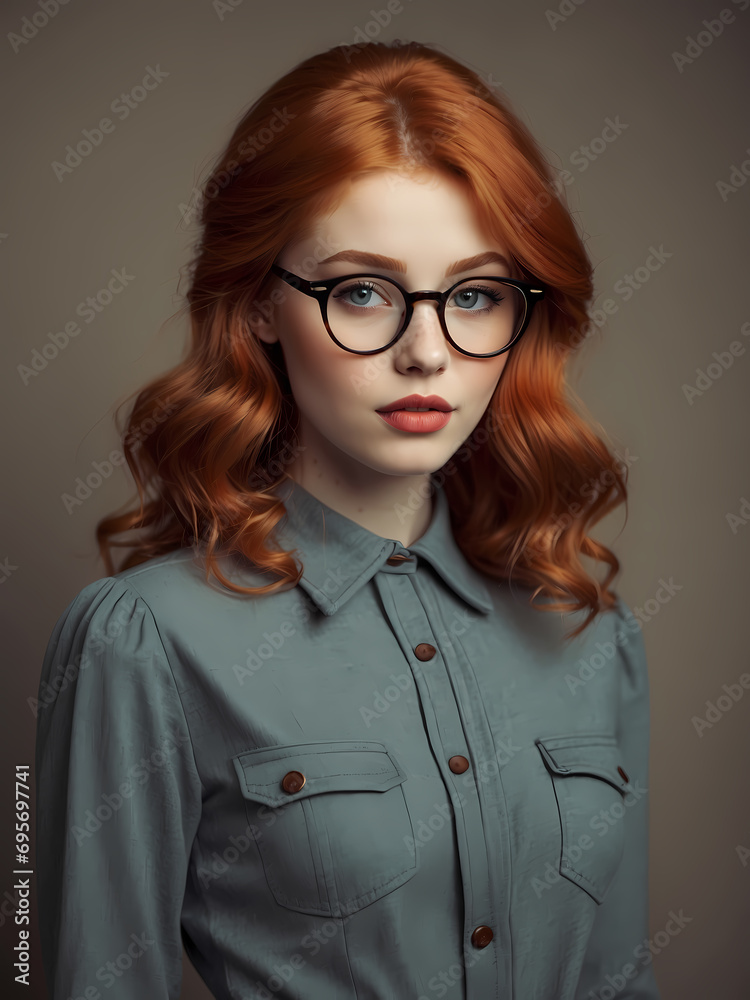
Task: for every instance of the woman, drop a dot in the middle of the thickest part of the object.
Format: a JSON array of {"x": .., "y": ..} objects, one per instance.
[{"x": 316, "y": 728}]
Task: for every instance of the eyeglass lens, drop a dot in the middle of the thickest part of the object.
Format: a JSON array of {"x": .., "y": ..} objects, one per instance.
[{"x": 482, "y": 314}]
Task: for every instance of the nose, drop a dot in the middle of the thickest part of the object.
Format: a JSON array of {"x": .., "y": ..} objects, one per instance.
[{"x": 423, "y": 344}]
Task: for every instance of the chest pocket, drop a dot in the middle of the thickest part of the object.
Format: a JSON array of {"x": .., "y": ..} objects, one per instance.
[
  {"x": 331, "y": 823},
  {"x": 590, "y": 793}
]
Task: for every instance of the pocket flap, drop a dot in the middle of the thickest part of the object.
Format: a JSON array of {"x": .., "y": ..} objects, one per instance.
[
  {"x": 595, "y": 754},
  {"x": 344, "y": 765}
]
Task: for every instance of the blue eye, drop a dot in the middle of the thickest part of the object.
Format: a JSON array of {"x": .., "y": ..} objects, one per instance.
[
  {"x": 360, "y": 294},
  {"x": 467, "y": 298}
]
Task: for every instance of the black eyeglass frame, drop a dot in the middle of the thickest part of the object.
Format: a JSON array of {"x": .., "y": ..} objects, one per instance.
[{"x": 320, "y": 290}]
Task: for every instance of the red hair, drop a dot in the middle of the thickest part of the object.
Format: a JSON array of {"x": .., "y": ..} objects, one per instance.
[{"x": 534, "y": 476}]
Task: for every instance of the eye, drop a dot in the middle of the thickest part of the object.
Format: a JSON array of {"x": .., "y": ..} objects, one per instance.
[
  {"x": 361, "y": 294},
  {"x": 471, "y": 296}
]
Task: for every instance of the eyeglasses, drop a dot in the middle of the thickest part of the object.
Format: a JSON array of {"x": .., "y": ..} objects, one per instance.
[{"x": 367, "y": 313}]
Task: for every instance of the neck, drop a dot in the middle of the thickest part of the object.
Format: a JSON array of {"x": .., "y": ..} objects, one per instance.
[{"x": 398, "y": 507}]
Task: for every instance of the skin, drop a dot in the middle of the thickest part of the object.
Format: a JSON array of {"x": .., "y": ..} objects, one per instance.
[{"x": 351, "y": 459}]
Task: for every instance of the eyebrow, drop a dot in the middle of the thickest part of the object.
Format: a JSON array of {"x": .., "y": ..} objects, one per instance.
[{"x": 391, "y": 264}]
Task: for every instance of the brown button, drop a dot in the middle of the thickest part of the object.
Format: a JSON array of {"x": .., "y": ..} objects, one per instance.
[
  {"x": 622, "y": 774},
  {"x": 424, "y": 651},
  {"x": 458, "y": 764},
  {"x": 293, "y": 781},
  {"x": 481, "y": 936},
  {"x": 397, "y": 560}
]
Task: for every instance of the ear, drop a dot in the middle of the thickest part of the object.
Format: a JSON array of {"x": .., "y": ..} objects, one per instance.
[{"x": 263, "y": 327}]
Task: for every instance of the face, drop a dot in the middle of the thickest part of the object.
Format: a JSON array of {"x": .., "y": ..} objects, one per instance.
[{"x": 426, "y": 221}]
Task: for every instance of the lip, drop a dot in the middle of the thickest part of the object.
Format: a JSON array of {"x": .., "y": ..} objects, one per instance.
[
  {"x": 413, "y": 401},
  {"x": 417, "y": 423}
]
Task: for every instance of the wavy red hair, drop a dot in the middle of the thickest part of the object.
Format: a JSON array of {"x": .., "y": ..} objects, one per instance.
[{"x": 526, "y": 490}]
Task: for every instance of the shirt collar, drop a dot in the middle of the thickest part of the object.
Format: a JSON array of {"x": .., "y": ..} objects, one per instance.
[{"x": 339, "y": 556}]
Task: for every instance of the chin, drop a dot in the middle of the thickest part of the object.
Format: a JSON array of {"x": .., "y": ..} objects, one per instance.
[{"x": 420, "y": 466}]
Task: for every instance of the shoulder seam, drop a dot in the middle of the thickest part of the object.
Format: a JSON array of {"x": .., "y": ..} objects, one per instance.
[
  {"x": 183, "y": 556},
  {"x": 138, "y": 594}
]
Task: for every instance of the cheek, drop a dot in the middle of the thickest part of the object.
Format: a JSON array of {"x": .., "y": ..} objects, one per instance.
[
  {"x": 481, "y": 382},
  {"x": 319, "y": 371},
  {"x": 495, "y": 377},
  {"x": 308, "y": 349}
]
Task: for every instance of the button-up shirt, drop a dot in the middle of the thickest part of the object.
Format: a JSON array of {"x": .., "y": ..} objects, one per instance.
[{"x": 392, "y": 780}]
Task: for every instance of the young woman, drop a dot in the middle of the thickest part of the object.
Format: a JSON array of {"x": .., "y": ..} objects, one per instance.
[{"x": 325, "y": 726}]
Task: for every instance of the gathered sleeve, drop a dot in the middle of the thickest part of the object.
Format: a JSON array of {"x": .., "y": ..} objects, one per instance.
[
  {"x": 118, "y": 802},
  {"x": 618, "y": 955}
]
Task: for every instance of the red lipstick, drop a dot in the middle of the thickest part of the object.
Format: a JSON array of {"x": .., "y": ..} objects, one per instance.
[{"x": 400, "y": 413}]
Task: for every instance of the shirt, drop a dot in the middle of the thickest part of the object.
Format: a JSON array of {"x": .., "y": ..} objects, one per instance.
[{"x": 391, "y": 781}]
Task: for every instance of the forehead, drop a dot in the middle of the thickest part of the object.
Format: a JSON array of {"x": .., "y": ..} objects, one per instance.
[{"x": 399, "y": 213}]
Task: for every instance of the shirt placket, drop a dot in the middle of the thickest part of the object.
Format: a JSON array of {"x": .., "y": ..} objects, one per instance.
[{"x": 455, "y": 748}]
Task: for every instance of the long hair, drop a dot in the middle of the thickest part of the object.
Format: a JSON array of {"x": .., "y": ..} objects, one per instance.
[{"x": 534, "y": 476}]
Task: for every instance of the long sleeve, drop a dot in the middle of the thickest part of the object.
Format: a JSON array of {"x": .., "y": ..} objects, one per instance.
[
  {"x": 618, "y": 956},
  {"x": 118, "y": 802}
]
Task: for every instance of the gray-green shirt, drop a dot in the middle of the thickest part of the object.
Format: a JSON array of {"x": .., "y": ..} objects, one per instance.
[{"x": 393, "y": 780}]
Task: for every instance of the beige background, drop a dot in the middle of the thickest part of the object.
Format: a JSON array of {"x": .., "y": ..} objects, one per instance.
[{"x": 654, "y": 186}]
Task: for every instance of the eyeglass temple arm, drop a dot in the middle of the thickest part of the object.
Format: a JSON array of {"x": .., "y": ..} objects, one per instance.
[{"x": 292, "y": 279}]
